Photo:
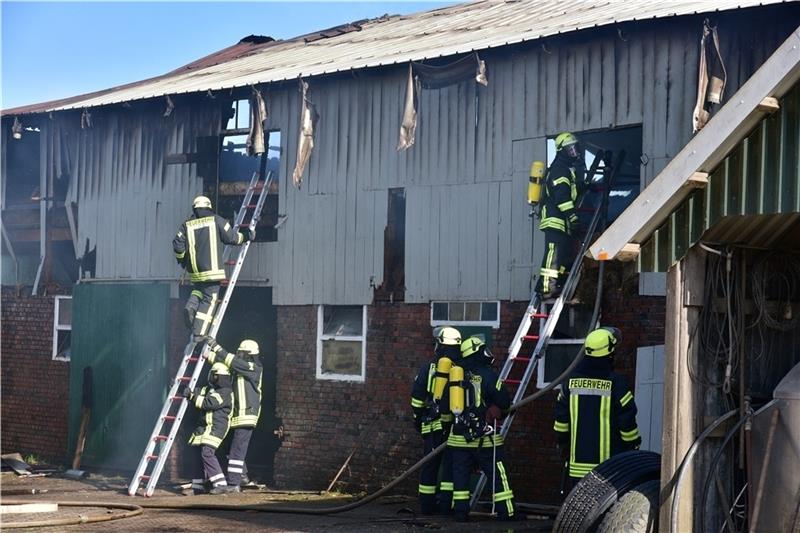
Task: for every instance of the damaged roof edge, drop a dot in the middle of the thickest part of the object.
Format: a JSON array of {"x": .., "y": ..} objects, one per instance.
[
  {"x": 461, "y": 28},
  {"x": 729, "y": 126}
]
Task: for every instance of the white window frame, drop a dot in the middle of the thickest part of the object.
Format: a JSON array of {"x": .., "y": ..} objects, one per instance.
[
  {"x": 57, "y": 327},
  {"x": 494, "y": 324},
  {"x": 360, "y": 338}
]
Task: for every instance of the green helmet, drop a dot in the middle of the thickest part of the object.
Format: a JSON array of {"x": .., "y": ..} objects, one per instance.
[{"x": 602, "y": 342}]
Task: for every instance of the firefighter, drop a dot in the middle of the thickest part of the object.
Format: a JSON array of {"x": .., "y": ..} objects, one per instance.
[
  {"x": 434, "y": 425},
  {"x": 214, "y": 401},
  {"x": 197, "y": 249},
  {"x": 478, "y": 398},
  {"x": 595, "y": 414},
  {"x": 559, "y": 221},
  {"x": 246, "y": 369}
]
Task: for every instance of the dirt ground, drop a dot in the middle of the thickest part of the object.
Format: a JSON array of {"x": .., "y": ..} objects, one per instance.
[{"x": 391, "y": 513}]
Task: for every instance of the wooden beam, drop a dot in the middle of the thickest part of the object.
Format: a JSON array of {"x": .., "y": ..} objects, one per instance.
[
  {"x": 732, "y": 123},
  {"x": 629, "y": 252},
  {"x": 698, "y": 180},
  {"x": 768, "y": 105}
]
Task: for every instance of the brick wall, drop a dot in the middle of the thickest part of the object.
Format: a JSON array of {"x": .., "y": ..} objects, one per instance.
[
  {"x": 324, "y": 420},
  {"x": 35, "y": 389}
]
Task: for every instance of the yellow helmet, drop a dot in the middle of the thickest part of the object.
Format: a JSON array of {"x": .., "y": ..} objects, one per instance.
[
  {"x": 201, "y": 202},
  {"x": 249, "y": 346},
  {"x": 601, "y": 342},
  {"x": 565, "y": 139},
  {"x": 220, "y": 369},
  {"x": 447, "y": 336}
]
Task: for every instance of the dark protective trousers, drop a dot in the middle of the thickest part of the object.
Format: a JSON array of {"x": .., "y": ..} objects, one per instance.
[
  {"x": 557, "y": 260},
  {"x": 211, "y": 468},
  {"x": 464, "y": 459},
  {"x": 237, "y": 454},
  {"x": 201, "y": 306},
  {"x": 436, "y": 477}
]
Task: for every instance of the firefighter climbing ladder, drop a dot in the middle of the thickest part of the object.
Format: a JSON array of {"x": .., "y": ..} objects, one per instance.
[
  {"x": 169, "y": 420},
  {"x": 548, "y": 317}
]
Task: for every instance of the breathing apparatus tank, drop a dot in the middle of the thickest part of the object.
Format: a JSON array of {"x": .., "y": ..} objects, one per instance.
[
  {"x": 456, "y": 390},
  {"x": 442, "y": 375},
  {"x": 535, "y": 185}
]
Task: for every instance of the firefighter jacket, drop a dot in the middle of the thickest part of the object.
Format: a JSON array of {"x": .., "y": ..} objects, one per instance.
[
  {"x": 197, "y": 248},
  {"x": 595, "y": 415},
  {"x": 215, "y": 420},
  {"x": 428, "y": 417},
  {"x": 483, "y": 389},
  {"x": 559, "y": 194},
  {"x": 246, "y": 374}
]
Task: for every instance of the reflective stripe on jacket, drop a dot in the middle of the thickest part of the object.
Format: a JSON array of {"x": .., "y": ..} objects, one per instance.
[
  {"x": 247, "y": 373},
  {"x": 559, "y": 194},
  {"x": 214, "y": 424},
  {"x": 196, "y": 246}
]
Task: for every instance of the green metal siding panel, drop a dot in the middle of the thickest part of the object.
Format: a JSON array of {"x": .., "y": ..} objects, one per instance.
[
  {"x": 121, "y": 331},
  {"x": 760, "y": 176}
]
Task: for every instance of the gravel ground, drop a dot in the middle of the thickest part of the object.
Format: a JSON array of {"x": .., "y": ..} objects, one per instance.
[{"x": 391, "y": 513}]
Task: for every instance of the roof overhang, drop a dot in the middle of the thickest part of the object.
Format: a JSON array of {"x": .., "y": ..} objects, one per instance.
[{"x": 690, "y": 168}]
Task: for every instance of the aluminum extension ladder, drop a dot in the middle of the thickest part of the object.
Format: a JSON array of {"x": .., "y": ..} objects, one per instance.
[
  {"x": 169, "y": 420},
  {"x": 548, "y": 317}
]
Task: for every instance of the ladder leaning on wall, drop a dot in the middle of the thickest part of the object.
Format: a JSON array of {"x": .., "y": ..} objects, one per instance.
[
  {"x": 548, "y": 313},
  {"x": 169, "y": 420}
]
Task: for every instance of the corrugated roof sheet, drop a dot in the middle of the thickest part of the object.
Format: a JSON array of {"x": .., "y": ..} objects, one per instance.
[{"x": 395, "y": 39}]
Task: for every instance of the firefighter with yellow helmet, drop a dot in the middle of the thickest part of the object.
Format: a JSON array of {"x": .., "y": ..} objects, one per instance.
[
  {"x": 478, "y": 399},
  {"x": 246, "y": 368},
  {"x": 433, "y": 422},
  {"x": 197, "y": 248},
  {"x": 595, "y": 413},
  {"x": 214, "y": 402},
  {"x": 558, "y": 218}
]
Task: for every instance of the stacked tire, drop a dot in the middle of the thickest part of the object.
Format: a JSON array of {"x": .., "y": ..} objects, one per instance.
[{"x": 620, "y": 494}]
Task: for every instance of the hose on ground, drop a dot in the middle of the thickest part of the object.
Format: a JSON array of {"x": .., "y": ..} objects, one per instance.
[{"x": 130, "y": 510}]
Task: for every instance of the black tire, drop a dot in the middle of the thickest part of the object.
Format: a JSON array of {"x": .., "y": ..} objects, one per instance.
[
  {"x": 635, "y": 512},
  {"x": 593, "y": 495}
]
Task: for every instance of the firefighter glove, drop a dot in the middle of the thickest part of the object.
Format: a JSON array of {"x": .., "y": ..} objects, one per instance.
[
  {"x": 187, "y": 393},
  {"x": 493, "y": 414},
  {"x": 210, "y": 342}
]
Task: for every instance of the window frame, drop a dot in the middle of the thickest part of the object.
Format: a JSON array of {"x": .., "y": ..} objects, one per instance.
[
  {"x": 351, "y": 338},
  {"x": 58, "y": 327},
  {"x": 494, "y": 324}
]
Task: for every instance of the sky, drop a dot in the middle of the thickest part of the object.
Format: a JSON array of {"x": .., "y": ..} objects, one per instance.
[{"x": 53, "y": 50}]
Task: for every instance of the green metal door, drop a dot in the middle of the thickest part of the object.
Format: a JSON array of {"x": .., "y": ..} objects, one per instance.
[{"x": 121, "y": 332}]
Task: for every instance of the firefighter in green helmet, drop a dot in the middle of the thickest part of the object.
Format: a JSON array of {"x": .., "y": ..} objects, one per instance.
[
  {"x": 559, "y": 220},
  {"x": 595, "y": 414}
]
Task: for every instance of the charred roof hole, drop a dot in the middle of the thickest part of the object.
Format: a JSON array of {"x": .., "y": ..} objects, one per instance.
[
  {"x": 335, "y": 31},
  {"x": 257, "y": 39}
]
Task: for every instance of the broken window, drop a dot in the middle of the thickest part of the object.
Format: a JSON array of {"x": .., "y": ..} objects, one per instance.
[
  {"x": 627, "y": 181},
  {"x": 394, "y": 247},
  {"x": 341, "y": 342},
  {"x": 62, "y": 328},
  {"x": 465, "y": 314},
  {"x": 236, "y": 168}
]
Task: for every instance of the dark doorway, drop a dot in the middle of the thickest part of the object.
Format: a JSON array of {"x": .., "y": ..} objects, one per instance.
[{"x": 251, "y": 315}]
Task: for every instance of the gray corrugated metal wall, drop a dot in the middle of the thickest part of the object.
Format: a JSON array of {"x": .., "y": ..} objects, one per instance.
[{"x": 468, "y": 234}]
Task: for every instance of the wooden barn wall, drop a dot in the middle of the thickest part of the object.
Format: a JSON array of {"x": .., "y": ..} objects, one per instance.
[{"x": 467, "y": 230}]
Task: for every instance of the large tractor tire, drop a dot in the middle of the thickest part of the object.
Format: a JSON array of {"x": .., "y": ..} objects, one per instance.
[
  {"x": 635, "y": 512},
  {"x": 593, "y": 495}
]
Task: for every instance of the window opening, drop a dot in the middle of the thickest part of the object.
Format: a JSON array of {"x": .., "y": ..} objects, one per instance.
[
  {"x": 62, "y": 328},
  {"x": 341, "y": 342},
  {"x": 465, "y": 314}
]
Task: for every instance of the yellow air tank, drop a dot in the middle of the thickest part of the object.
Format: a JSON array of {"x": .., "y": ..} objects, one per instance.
[
  {"x": 442, "y": 374},
  {"x": 535, "y": 182},
  {"x": 456, "y": 390}
]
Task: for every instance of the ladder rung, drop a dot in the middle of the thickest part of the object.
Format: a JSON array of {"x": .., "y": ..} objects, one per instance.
[
  {"x": 185, "y": 378},
  {"x": 530, "y": 337},
  {"x": 523, "y": 359},
  {"x": 177, "y": 397},
  {"x": 539, "y": 315},
  {"x": 230, "y": 262},
  {"x": 513, "y": 381},
  {"x": 244, "y": 225},
  {"x": 224, "y": 282},
  {"x": 169, "y": 417},
  {"x": 252, "y": 206},
  {"x": 193, "y": 359},
  {"x": 144, "y": 476},
  {"x": 152, "y": 457},
  {"x": 160, "y": 437}
]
